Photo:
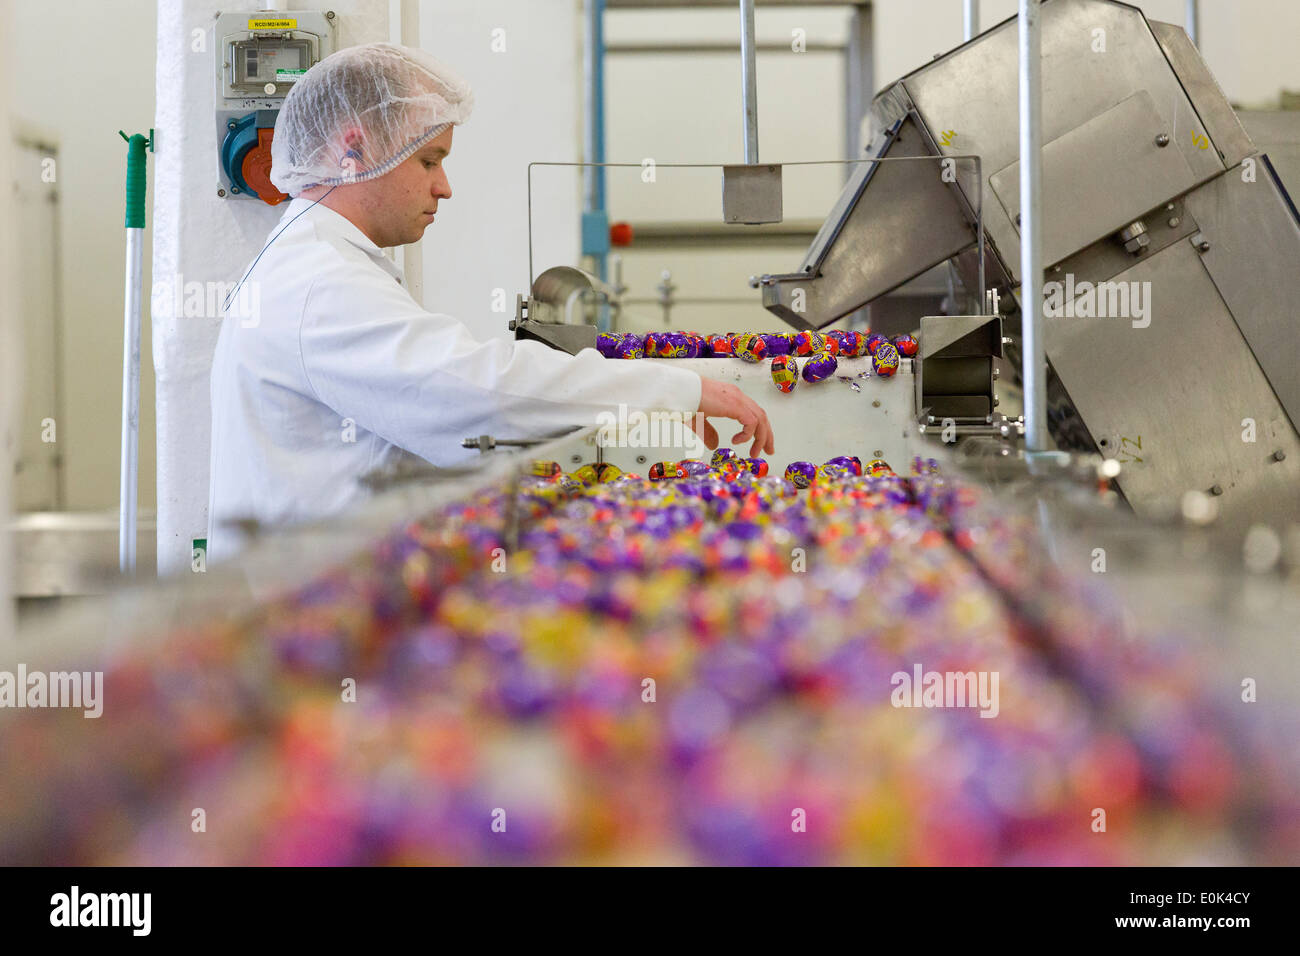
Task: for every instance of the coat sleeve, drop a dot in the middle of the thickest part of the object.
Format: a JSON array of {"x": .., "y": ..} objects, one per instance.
[{"x": 421, "y": 381}]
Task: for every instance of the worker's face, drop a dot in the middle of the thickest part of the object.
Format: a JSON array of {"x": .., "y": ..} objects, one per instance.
[{"x": 403, "y": 201}]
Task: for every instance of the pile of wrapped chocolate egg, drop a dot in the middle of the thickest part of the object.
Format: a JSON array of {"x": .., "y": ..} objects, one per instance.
[
  {"x": 810, "y": 355},
  {"x": 725, "y": 466},
  {"x": 723, "y": 662}
]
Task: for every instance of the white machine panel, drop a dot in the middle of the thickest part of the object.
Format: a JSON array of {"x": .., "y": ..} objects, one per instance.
[{"x": 855, "y": 412}]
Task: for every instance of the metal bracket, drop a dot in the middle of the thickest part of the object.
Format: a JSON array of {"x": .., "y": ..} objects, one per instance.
[
  {"x": 994, "y": 426},
  {"x": 1047, "y": 462},
  {"x": 567, "y": 338},
  {"x": 488, "y": 442},
  {"x": 751, "y": 195}
]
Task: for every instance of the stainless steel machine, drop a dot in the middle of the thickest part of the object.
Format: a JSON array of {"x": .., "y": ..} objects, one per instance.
[
  {"x": 1175, "y": 248},
  {"x": 1171, "y": 249}
]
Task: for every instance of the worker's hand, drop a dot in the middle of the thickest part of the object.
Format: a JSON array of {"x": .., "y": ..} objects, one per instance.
[{"x": 727, "y": 401}]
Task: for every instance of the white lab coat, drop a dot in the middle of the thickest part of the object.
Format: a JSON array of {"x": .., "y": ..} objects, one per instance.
[{"x": 327, "y": 369}]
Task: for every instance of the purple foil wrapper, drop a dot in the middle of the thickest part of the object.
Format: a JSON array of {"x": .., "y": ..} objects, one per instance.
[
  {"x": 607, "y": 343},
  {"x": 777, "y": 344},
  {"x": 885, "y": 359},
  {"x": 819, "y": 366},
  {"x": 800, "y": 473}
]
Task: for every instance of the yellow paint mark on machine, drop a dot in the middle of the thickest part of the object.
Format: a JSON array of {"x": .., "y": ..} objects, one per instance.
[{"x": 1128, "y": 450}]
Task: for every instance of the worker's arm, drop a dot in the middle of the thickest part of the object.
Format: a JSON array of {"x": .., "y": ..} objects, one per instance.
[{"x": 420, "y": 380}]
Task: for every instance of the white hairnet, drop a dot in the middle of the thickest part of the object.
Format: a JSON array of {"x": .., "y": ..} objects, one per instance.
[{"x": 395, "y": 97}]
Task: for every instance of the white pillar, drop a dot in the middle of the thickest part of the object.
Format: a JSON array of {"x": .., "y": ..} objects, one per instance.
[
  {"x": 199, "y": 237},
  {"x": 10, "y": 372},
  {"x": 971, "y": 19},
  {"x": 412, "y": 254},
  {"x": 524, "y": 60}
]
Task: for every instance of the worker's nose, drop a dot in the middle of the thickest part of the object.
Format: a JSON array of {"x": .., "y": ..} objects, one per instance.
[{"x": 442, "y": 187}]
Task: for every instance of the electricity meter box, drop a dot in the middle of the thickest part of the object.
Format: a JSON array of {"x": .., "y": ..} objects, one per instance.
[{"x": 259, "y": 56}]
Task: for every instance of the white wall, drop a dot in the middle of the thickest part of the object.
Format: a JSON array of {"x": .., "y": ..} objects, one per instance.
[
  {"x": 527, "y": 101},
  {"x": 106, "y": 84},
  {"x": 10, "y": 374},
  {"x": 1248, "y": 44},
  {"x": 686, "y": 107}
]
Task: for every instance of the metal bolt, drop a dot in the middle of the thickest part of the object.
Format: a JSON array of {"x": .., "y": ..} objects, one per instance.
[
  {"x": 1135, "y": 239},
  {"x": 1017, "y": 219},
  {"x": 995, "y": 373},
  {"x": 640, "y": 459},
  {"x": 875, "y": 403},
  {"x": 329, "y": 14},
  {"x": 576, "y": 459},
  {"x": 877, "y": 454},
  {"x": 1279, "y": 455},
  {"x": 221, "y": 193},
  {"x": 230, "y": 124},
  {"x": 1203, "y": 245},
  {"x": 1169, "y": 207},
  {"x": 1199, "y": 508},
  {"x": 1174, "y": 222},
  {"x": 1216, "y": 490},
  {"x": 1162, "y": 140}
]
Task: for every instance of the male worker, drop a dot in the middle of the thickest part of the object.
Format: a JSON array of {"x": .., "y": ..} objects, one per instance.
[{"x": 341, "y": 372}]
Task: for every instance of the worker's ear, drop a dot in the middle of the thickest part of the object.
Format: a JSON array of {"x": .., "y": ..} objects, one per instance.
[
  {"x": 352, "y": 139},
  {"x": 352, "y": 155}
]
